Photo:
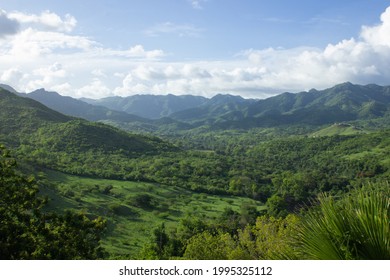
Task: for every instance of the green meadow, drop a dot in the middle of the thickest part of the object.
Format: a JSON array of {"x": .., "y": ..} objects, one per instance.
[{"x": 133, "y": 209}]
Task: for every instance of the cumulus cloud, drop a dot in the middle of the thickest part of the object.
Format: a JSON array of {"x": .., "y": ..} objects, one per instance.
[
  {"x": 262, "y": 73},
  {"x": 11, "y": 76},
  {"x": 39, "y": 56},
  {"x": 46, "y": 20},
  {"x": 378, "y": 35},
  {"x": 94, "y": 89},
  {"x": 137, "y": 51},
  {"x": 8, "y": 26}
]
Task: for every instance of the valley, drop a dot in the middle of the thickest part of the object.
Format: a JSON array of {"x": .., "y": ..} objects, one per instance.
[{"x": 211, "y": 173}]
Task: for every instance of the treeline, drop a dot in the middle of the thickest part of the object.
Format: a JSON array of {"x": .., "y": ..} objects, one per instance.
[{"x": 284, "y": 172}]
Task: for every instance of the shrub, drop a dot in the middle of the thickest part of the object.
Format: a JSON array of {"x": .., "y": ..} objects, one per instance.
[{"x": 356, "y": 226}]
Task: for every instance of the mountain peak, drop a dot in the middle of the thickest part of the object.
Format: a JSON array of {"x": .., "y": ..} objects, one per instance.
[
  {"x": 345, "y": 86},
  {"x": 43, "y": 91},
  {"x": 225, "y": 98}
]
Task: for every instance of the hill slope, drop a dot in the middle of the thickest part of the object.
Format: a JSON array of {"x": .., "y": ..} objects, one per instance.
[
  {"x": 58, "y": 141},
  {"x": 20, "y": 115}
]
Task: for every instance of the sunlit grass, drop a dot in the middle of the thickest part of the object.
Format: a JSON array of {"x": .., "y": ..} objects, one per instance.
[{"x": 129, "y": 225}]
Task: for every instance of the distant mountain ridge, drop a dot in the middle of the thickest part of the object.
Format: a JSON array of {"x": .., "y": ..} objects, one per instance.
[
  {"x": 74, "y": 107},
  {"x": 150, "y": 106},
  {"x": 341, "y": 103}
]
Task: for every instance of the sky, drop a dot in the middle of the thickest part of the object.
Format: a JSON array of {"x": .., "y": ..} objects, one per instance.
[{"x": 252, "y": 48}]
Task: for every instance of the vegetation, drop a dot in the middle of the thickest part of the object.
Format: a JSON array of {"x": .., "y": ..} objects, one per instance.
[
  {"x": 27, "y": 232},
  {"x": 354, "y": 227},
  {"x": 273, "y": 189},
  {"x": 133, "y": 210}
]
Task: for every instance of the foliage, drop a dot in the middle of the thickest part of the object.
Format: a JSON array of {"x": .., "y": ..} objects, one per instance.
[
  {"x": 140, "y": 182},
  {"x": 206, "y": 246},
  {"x": 268, "y": 238},
  {"x": 28, "y": 233},
  {"x": 357, "y": 226}
]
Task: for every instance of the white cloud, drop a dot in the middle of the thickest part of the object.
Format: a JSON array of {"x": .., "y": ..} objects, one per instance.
[
  {"x": 137, "y": 51},
  {"x": 31, "y": 43},
  {"x": 181, "y": 30},
  {"x": 34, "y": 56},
  {"x": 56, "y": 71},
  {"x": 99, "y": 73},
  {"x": 11, "y": 76},
  {"x": 94, "y": 89},
  {"x": 47, "y": 20},
  {"x": 378, "y": 35},
  {"x": 64, "y": 89}
]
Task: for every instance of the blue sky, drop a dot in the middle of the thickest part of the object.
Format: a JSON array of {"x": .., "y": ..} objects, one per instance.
[{"x": 255, "y": 48}]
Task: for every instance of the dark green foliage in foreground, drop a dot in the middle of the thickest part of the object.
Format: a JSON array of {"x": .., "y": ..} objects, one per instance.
[
  {"x": 354, "y": 227},
  {"x": 26, "y": 232}
]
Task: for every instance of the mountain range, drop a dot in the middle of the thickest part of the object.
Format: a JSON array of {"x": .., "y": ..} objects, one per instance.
[
  {"x": 149, "y": 106},
  {"x": 341, "y": 103}
]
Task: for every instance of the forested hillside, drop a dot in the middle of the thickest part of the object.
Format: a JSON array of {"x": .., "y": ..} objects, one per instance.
[
  {"x": 51, "y": 139},
  {"x": 238, "y": 192}
]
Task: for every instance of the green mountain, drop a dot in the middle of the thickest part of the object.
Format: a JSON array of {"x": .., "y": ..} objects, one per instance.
[
  {"x": 45, "y": 136},
  {"x": 74, "y": 107},
  {"x": 341, "y": 102},
  {"x": 78, "y": 108},
  {"x": 150, "y": 106},
  {"x": 8, "y": 88},
  {"x": 344, "y": 102},
  {"x": 215, "y": 108},
  {"x": 20, "y": 116}
]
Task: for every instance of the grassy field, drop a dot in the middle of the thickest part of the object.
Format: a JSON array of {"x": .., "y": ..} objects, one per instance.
[
  {"x": 339, "y": 129},
  {"x": 133, "y": 209}
]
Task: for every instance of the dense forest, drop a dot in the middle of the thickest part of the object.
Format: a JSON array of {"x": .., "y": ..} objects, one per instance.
[{"x": 205, "y": 188}]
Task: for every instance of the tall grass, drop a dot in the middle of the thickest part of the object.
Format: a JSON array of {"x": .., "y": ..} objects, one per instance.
[{"x": 356, "y": 226}]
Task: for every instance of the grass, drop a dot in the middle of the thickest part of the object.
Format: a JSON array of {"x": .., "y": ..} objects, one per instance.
[
  {"x": 338, "y": 129},
  {"x": 133, "y": 209}
]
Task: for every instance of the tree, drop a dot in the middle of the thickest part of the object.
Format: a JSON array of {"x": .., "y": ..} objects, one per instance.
[
  {"x": 357, "y": 226},
  {"x": 269, "y": 238},
  {"x": 27, "y": 232},
  {"x": 161, "y": 246},
  {"x": 205, "y": 246}
]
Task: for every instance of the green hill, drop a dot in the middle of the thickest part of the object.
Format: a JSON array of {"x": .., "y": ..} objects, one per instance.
[
  {"x": 20, "y": 116},
  {"x": 65, "y": 143}
]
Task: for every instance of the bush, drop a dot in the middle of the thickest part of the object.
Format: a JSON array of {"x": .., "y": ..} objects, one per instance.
[
  {"x": 354, "y": 227},
  {"x": 144, "y": 201}
]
